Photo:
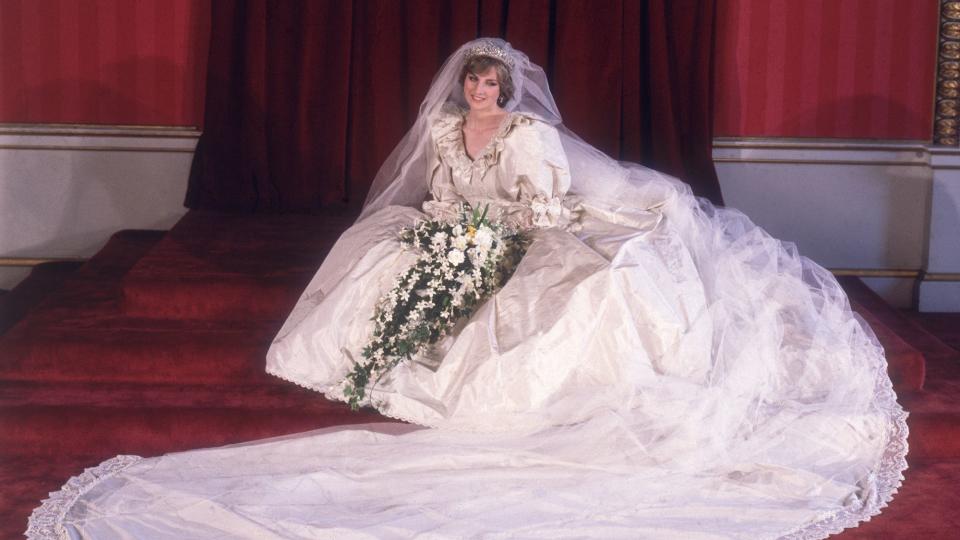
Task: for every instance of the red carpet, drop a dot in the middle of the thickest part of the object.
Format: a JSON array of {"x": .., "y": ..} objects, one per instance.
[{"x": 157, "y": 344}]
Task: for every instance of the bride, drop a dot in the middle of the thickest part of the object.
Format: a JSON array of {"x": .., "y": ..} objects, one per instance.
[{"x": 655, "y": 367}]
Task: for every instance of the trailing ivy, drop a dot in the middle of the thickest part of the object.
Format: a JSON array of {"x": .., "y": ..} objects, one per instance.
[{"x": 460, "y": 265}]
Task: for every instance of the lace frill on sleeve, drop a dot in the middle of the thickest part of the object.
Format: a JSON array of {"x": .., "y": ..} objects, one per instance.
[{"x": 536, "y": 173}]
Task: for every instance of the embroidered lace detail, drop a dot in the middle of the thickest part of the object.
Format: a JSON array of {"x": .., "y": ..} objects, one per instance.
[
  {"x": 333, "y": 396},
  {"x": 385, "y": 410},
  {"x": 46, "y": 521},
  {"x": 880, "y": 487}
]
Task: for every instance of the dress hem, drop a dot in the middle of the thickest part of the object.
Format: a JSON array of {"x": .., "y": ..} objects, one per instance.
[
  {"x": 331, "y": 397},
  {"x": 46, "y": 521}
]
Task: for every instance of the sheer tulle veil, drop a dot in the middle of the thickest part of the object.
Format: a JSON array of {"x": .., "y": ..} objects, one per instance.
[{"x": 595, "y": 176}]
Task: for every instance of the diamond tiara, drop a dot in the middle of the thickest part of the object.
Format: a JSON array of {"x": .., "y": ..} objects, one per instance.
[{"x": 488, "y": 49}]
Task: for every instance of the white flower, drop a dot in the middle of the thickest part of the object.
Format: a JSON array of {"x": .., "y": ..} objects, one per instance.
[
  {"x": 460, "y": 242},
  {"x": 439, "y": 238},
  {"x": 483, "y": 238},
  {"x": 458, "y": 230},
  {"x": 455, "y": 256}
]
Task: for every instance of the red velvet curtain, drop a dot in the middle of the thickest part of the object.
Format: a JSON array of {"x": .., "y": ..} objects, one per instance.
[{"x": 306, "y": 99}]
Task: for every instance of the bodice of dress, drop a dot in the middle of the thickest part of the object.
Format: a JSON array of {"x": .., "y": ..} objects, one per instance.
[{"x": 521, "y": 175}]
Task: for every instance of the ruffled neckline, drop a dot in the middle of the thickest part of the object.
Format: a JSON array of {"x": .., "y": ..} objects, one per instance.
[{"x": 448, "y": 135}]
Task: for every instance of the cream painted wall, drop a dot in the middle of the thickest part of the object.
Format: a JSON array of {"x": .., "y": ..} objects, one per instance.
[
  {"x": 852, "y": 205},
  {"x": 64, "y": 190},
  {"x": 846, "y": 204}
]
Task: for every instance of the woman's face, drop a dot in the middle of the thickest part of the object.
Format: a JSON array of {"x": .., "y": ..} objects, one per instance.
[{"x": 481, "y": 90}]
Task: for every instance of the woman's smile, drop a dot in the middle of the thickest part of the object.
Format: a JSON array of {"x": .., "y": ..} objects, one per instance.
[{"x": 482, "y": 90}]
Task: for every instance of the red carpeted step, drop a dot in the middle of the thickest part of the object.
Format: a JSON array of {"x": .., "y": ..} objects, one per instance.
[
  {"x": 906, "y": 365},
  {"x": 139, "y": 350},
  {"x": 221, "y": 297},
  {"x": 924, "y": 508},
  {"x": 67, "y": 279},
  {"x": 912, "y": 333},
  {"x": 935, "y": 413},
  {"x": 902, "y": 335},
  {"x": 905, "y": 360},
  {"x": 121, "y": 252},
  {"x": 934, "y": 436},
  {"x": 43, "y": 279},
  {"x": 277, "y": 395},
  {"x": 225, "y": 266},
  {"x": 945, "y": 326}
]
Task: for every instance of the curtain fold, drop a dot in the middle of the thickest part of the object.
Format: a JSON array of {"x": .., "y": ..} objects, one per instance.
[{"x": 306, "y": 99}]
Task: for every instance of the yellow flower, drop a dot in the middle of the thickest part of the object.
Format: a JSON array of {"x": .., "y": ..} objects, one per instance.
[{"x": 471, "y": 230}]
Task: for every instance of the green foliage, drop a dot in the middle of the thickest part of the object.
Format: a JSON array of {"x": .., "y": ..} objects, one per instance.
[{"x": 459, "y": 266}]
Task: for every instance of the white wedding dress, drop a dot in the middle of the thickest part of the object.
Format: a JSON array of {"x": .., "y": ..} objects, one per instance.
[{"x": 657, "y": 368}]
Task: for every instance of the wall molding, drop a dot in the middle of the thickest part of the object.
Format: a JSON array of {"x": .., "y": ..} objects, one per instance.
[
  {"x": 823, "y": 151},
  {"x": 28, "y": 262},
  {"x": 98, "y": 138},
  {"x": 122, "y": 130},
  {"x": 877, "y": 272}
]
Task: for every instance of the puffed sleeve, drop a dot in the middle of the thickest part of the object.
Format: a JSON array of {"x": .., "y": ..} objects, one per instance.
[
  {"x": 536, "y": 175},
  {"x": 444, "y": 200}
]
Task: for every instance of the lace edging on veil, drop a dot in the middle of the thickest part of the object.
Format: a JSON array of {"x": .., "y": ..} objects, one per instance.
[
  {"x": 46, "y": 521},
  {"x": 883, "y": 483}
]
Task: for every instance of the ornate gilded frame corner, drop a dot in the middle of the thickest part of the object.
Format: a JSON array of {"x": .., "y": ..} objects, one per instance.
[{"x": 947, "y": 106}]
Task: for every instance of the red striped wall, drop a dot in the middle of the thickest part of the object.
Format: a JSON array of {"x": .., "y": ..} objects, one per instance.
[
  {"x": 826, "y": 68},
  {"x": 103, "y": 61},
  {"x": 785, "y": 68}
]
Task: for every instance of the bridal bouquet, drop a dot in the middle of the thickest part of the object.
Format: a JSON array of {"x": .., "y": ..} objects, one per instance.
[{"x": 460, "y": 265}]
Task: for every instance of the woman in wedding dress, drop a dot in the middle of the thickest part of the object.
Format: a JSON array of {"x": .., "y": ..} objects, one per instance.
[{"x": 656, "y": 367}]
